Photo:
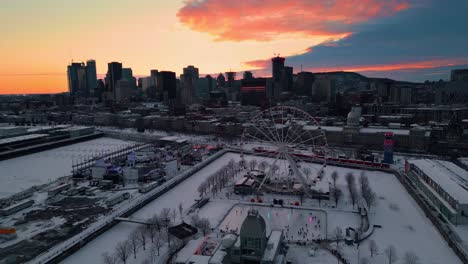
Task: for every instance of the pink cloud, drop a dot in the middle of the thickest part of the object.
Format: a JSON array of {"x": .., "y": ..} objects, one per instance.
[{"x": 264, "y": 20}]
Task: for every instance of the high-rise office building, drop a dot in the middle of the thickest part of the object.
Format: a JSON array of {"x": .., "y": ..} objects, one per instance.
[
  {"x": 303, "y": 83},
  {"x": 127, "y": 74},
  {"x": 122, "y": 90},
  {"x": 91, "y": 76},
  {"x": 114, "y": 73},
  {"x": 190, "y": 74},
  {"x": 203, "y": 86},
  {"x": 221, "y": 81},
  {"x": 248, "y": 75},
  {"x": 77, "y": 82},
  {"x": 287, "y": 78},
  {"x": 154, "y": 73},
  {"x": 277, "y": 68},
  {"x": 167, "y": 84}
]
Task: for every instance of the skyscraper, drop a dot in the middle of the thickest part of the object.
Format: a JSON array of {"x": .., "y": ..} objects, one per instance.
[
  {"x": 277, "y": 68},
  {"x": 221, "y": 81},
  {"x": 167, "y": 83},
  {"x": 91, "y": 76},
  {"x": 287, "y": 78},
  {"x": 127, "y": 74},
  {"x": 248, "y": 75},
  {"x": 114, "y": 73},
  {"x": 190, "y": 73},
  {"x": 154, "y": 73},
  {"x": 77, "y": 82},
  {"x": 122, "y": 90}
]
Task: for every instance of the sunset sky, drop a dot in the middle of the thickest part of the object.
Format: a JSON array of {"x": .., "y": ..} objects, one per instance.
[{"x": 410, "y": 40}]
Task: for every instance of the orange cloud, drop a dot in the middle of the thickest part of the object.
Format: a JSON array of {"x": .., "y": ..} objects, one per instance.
[{"x": 270, "y": 19}]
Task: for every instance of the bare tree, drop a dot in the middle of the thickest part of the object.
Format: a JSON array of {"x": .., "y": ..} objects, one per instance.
[
  {"x": 134, "y": 242},
  {"x": 158, "y": 242},
  {"x": 156, "y": 222},
  {"x": 363, "y": 181},
  {"x": 410, "y": 258},
  {"x": 194, "y": 219},
  {"x": 370, "y": 197},
  {"x": 151, "y": 231},
  {"x": 204, "y": 225},
  {"x": 165, "y": 214},
  {"x": 201, "y": 189},
  {"x": 153, "y": 253},
  {"x": 373, "y": 248},
  {"x": 142, "y": 236},
  {"x": 274, "y": 168},
  {"x": 334, "y": 177},
  {"x": 174, "y": 215},
  {"x": 351, "y": 182},
  {"x": 391, "y": 254},
  {"x": 364, "y": 261},
  {"x": 338, "y": 194},
  {"x": 109, "y": 259},
  {"x": 307, "y": 172},
  {"x": 181, "y": 209},
  {"x": 262, "y": 166},
  {"x": 252, "y": 164},
  {"x": 338, "y": 234},
  {"x": 123, "y": 250}
]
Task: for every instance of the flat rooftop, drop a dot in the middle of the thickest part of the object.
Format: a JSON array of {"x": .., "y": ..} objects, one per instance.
[
  {"x": 451, "y": 178},
  {"x": 21, "y": 138},
  {"x": 369, "y": 130}
]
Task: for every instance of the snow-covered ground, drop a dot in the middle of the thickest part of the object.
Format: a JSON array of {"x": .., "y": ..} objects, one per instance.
[
  {"x": 403, "y": 223},
  {"x": 300, "y": 254},
  {"x": 20, "y": 173}
]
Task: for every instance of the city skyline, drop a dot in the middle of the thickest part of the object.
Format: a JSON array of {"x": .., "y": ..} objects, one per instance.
[{"x": 370, "y": 37}]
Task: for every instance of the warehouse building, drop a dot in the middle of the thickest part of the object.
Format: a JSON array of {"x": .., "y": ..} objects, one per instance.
[{"x": 445, "y": 184}]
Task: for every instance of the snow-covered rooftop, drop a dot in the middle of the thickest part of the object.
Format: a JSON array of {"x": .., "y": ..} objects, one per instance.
[
  {"x": 451, "y": 178},
  {"x": 174, "y": 139},
  {"x": 326, "y": 128},
  {"x": 383, "y": 130}
]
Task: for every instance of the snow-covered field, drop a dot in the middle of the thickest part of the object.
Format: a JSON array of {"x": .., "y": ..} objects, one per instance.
[
  {"x": 20, "y": 173},
  {"x": 403, "y": 223}
]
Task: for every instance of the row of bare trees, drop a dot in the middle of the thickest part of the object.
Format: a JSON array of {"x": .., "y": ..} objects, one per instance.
[
  {"x": 391, "y": 255},
  {"x": 337, "y": 193},
  {"x": 203, "y": 224},
  {"x": 219, "y": 179},
  {"x": 366, "y": 192},
  {"x": 152, "y": 236}
]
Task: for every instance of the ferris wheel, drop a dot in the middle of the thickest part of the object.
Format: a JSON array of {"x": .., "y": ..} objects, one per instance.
[{"x": 287, "y": 138}]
